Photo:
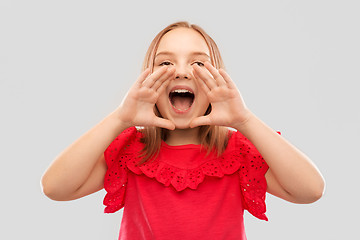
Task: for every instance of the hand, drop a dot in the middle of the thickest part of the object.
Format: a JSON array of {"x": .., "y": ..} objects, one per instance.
[
  {"x": 137, "y": 108},
  {"x": 228, "y": 107}
]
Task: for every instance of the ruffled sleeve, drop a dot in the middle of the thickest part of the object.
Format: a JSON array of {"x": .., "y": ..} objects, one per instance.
[
  {"x": 115, "y": 179},
  {"x": 252, "y": 176}
]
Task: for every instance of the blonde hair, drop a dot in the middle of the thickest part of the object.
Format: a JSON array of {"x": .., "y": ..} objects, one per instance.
[{"x": 213, "y": 138}]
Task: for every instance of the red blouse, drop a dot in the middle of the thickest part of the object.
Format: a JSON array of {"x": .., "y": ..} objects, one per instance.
[{"x": 183, "y": 194}]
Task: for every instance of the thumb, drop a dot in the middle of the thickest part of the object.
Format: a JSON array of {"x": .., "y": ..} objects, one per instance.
[
  {"x": 164, "y": 123},
  {"x": 203, "y": 120}
]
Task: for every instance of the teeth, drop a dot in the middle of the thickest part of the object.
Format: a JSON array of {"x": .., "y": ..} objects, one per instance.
[
  {"x": 182, "y": 110},
  {"x": 182, "y": 91}
]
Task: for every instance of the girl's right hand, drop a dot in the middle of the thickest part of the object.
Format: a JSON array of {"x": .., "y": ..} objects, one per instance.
[{"x": 137, "y": 108}]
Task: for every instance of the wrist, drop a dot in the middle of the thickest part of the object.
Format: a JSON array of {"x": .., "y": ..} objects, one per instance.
[
  {"x": 118, "y": 121},
  {"x": 244, "y": 125}
]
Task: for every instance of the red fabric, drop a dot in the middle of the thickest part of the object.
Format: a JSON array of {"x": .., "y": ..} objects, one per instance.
[{"x": 183, "y": 194}]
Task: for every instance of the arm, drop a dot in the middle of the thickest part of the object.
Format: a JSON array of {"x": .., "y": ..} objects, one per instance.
[
  {"x": 291, "y": 175},
  {"x": 80, "y": 169}
]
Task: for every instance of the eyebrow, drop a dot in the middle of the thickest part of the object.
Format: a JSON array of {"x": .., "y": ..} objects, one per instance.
[{"x": 192, "y": 54}]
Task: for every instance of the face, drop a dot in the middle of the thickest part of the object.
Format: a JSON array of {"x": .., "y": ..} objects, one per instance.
[{"x": 183, "y": 100}]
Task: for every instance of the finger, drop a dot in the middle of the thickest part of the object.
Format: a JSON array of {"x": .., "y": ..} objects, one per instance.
[
  {"x": 170, "y": 74},
  {"x": 152, "y": 78},
  {"x": 215, "y": 73},
  {"x": 205, "y": 77},
  {"x": 143, "y": 76},
  {"x": 200, "y": 121},
  {"x": 164, "y": 123},
  {"x": 201, "y": 83},
  {"x": 163, "y": 86},
  {"x": 157, "y": 82},
  {"x": 227, "y": 78}
]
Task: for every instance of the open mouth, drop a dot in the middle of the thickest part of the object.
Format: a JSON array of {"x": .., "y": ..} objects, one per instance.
[{"x": 181, "y": 99}]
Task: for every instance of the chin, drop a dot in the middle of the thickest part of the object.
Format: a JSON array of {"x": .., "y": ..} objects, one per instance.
[{"x": 181, "y": 127}]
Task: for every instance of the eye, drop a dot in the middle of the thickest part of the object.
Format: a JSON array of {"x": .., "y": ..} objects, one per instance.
[
  {"x": 199, "y": 64},
  {"x": 167, "y": 63}
]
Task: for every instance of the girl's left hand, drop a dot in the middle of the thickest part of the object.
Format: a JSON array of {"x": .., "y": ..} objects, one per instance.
[{"x": 227, "y": 106}]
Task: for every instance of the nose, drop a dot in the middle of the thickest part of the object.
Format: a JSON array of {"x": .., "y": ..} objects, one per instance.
[{"x": 183, "y": 72}]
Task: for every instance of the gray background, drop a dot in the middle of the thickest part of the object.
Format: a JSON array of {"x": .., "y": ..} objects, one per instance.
[{"x": 65, "y": 65}]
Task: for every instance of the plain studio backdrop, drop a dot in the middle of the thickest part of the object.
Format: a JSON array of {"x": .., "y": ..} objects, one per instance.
[{"x": 65, "y": 65}]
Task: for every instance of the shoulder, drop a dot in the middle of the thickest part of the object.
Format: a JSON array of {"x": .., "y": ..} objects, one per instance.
[
  {"x": 124, "y": 147},
  {"x": 252, "y": 173},
  {"x": 129, "y": 134},
  {"x": 237, "y": 141},
  {"x": 127, "y": 141},
  {"x": 241, "y": 148}
]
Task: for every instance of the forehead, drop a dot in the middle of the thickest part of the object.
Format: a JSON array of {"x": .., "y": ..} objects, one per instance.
[{"x": 182, "y": 40}]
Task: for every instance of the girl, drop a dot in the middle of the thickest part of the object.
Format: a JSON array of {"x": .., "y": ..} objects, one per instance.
[{"x": 183, "y": 174}]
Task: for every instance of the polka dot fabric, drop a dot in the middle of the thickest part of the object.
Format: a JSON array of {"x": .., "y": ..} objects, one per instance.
[
  {"x": 182, "y": 167},
  {"x": 252, "y": 177},
  {"x": 116, "y": 157}
]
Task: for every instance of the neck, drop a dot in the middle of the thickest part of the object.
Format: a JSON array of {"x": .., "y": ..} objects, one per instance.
[{"x": 183, "y": 136}]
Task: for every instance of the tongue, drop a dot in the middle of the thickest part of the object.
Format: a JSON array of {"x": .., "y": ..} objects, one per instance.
[{"x": 181, "y": 103}]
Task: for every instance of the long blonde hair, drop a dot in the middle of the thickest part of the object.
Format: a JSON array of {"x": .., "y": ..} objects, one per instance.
[{"x": 213, "y": 138}]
